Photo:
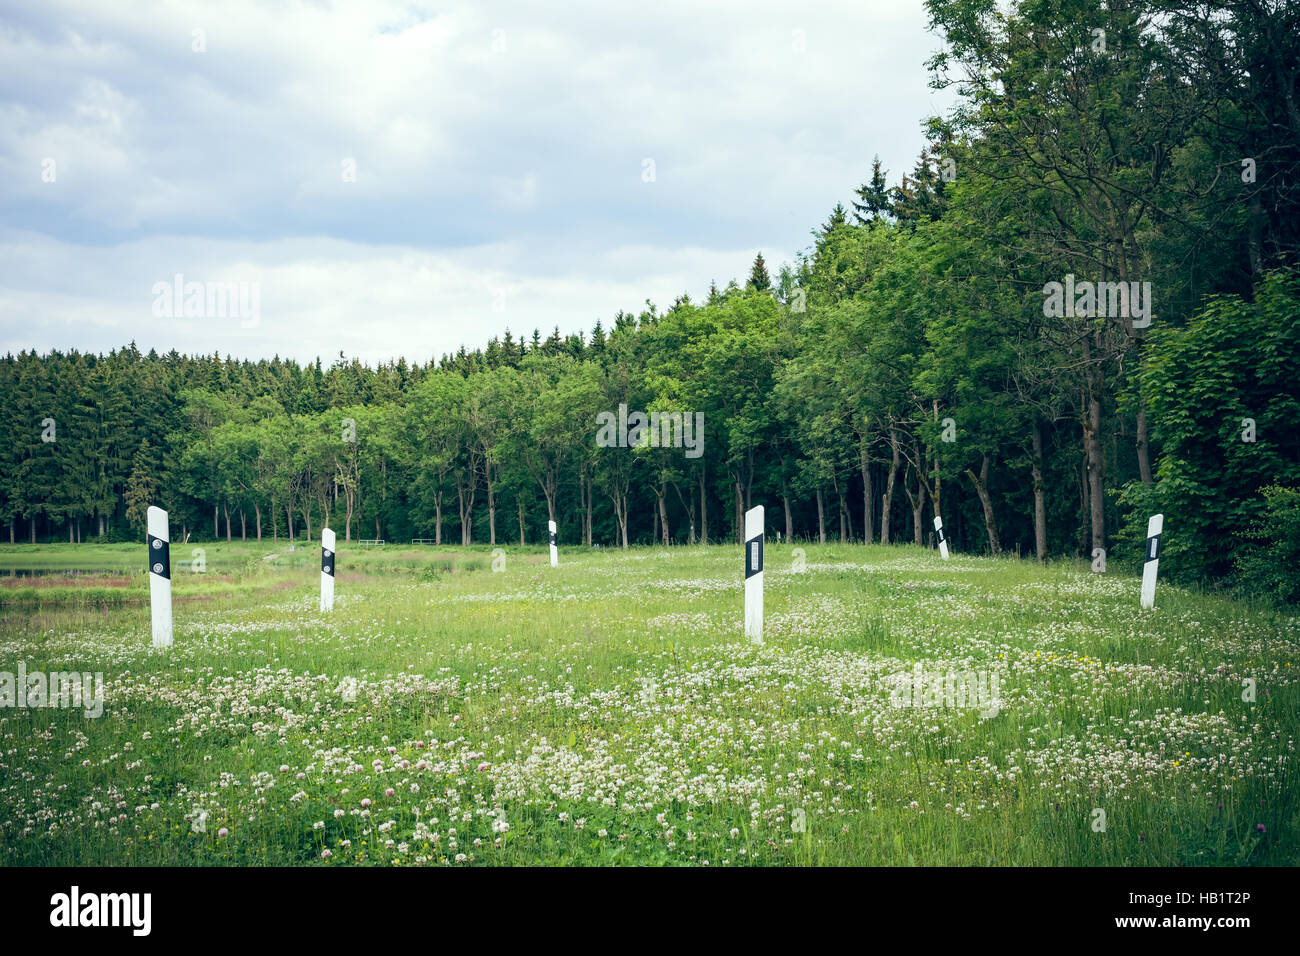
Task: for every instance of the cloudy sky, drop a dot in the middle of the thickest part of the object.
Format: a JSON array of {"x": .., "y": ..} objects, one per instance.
[{"x": 404, "y": 178}]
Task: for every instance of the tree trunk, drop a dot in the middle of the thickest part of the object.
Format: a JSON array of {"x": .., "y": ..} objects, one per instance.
[
  {"x": 243, "y": 525},
  {"x": 1096, "y": 461},
  {"x": 1143, "y": 444},
  {"x": 520, "y": 503},
  {"x": 548, "y": 482},
  {"x": 257, "y": 514},
  {"x": 437, "y": 520},
  {"x": 619, "y": 498},
  {"x": 226, "y": 509},
  {"x": 888, "y": 504},
  {"x": 216, "y": 523},
  {"x": 466, "y": 516},
  {"x": 868, "y": 494},
  {"x": 591, "y": 504},
  {"x": 1040, "y": 494},
  {"x": 789, "y": 523},
  {"x": 981, "y": 488},
  {"x": 821, "y": 519},
  {"x": 704, "y": 509},
  {"x": 918, "y": 507},
  {"x": 663, "y": 511},
  {"x": 936, "y": 493}
]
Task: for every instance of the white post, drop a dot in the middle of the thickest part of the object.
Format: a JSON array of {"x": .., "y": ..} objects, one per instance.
[
  {"x": 555, "y": 545},
  {"x": 160, "y": 576},
  {"x": 327, "y": 561},
  {"x": 754, "y": 574},
  {"x": 943, "y": 542},
  {"x": 1155, "y": 526}
]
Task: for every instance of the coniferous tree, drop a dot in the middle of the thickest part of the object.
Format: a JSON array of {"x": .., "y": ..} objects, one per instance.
[
  {"x": 142, "y": 485},
  {"x": 873, "y": 200}
]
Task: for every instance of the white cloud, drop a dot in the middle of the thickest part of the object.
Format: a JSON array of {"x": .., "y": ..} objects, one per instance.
[
  {"x": 495, "y": 145},
  {"x": 320, "y": 296}
]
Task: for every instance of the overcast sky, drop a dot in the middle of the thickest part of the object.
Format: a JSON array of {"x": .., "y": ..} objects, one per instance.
[{"x": 404, "y": 178}]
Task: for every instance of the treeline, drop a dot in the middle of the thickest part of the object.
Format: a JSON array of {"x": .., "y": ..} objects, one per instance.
[{"x": 1078, "y": 308}]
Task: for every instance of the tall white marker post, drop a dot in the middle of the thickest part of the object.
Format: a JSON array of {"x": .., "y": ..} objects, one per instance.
[
  {"x": 943, "y": 542},
  {"x": 1155, "y": 526},
  {"x": 555, "y": 545},
  {"x": 328, "y": 560},
  {"x": 754, "y": 574},
  {"x": 160, "y": 576}
]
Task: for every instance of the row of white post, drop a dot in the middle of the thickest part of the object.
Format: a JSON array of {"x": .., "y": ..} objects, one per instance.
[
  {"x": 160, "y": 577},
  {"x": 160, "y": 583}
]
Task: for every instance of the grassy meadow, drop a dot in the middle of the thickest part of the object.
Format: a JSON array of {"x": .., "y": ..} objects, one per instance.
[{"x": 610, "y": 711}]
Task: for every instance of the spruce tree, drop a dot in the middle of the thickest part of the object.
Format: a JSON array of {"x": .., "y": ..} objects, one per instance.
[
  {"x": 759, "y": 280},
  {"x": 141, "y": 486},
  {"x": 873, "y": 197}
]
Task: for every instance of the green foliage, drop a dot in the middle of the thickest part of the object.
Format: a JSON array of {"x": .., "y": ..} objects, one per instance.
[
  {"x": 1270, "y": 564},
  {"x": 1232, "y": 365}
]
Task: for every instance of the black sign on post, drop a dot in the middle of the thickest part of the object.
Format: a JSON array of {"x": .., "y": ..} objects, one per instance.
[{"x": 159, "y": 557}]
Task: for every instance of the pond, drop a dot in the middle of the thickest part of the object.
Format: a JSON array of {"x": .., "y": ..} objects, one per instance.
[{"x": 66, "y": 572}]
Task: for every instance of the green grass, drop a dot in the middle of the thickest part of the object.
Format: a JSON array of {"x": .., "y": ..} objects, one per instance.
[{"x": 611, "y": 711}]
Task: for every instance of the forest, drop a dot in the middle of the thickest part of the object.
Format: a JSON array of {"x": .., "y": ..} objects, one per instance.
[{"x": 1079, "y": 308}]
